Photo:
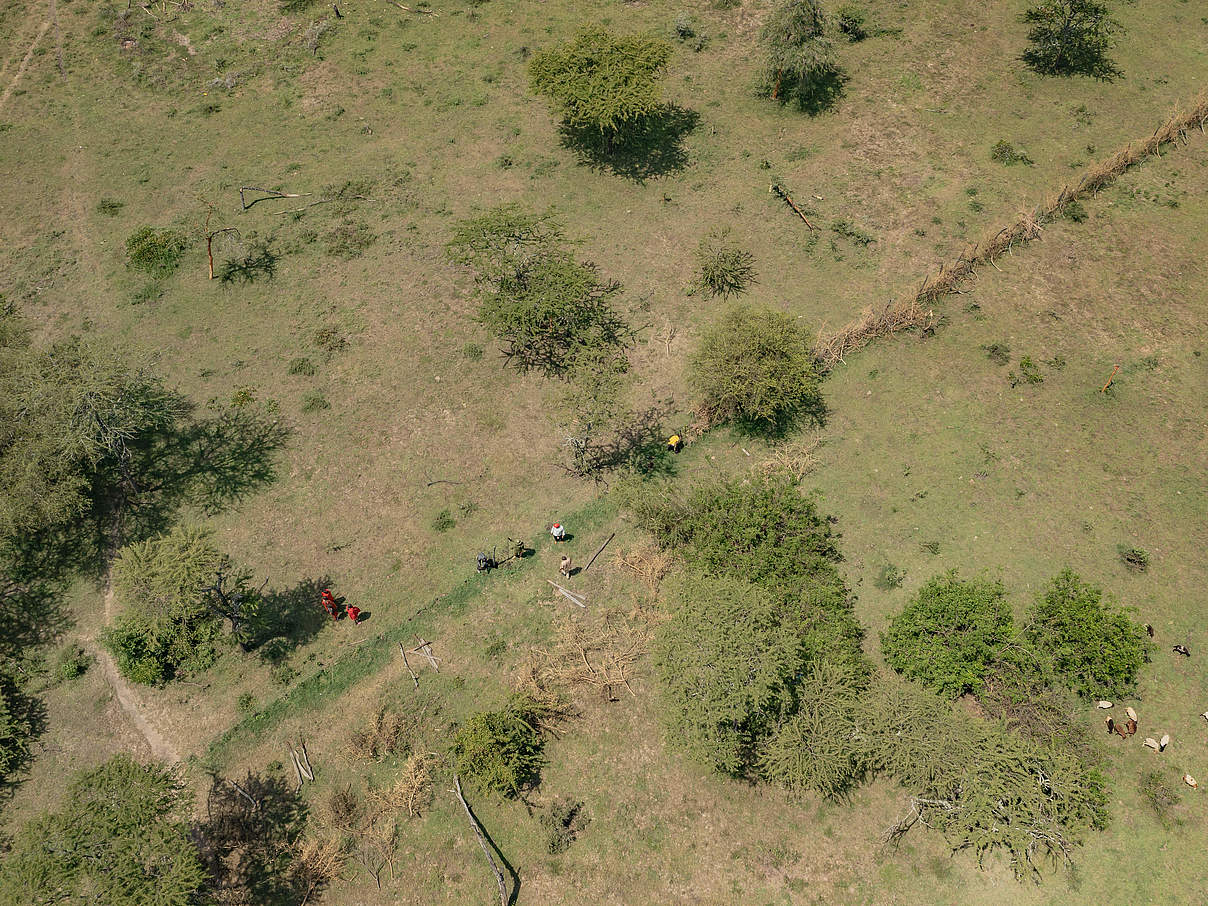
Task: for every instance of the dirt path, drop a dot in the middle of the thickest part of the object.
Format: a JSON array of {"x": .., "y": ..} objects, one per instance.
[
  {"x": 126, "y": 697},
  {"x": 29, "y": 55}
]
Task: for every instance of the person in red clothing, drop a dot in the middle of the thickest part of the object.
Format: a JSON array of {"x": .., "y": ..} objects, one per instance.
[
  {"x": 329, "y": 603},
  {"x": 354, "y": 612}
]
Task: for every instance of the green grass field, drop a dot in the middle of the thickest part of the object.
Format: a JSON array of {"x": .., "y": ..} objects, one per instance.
[{"x": 930, "y": 459}]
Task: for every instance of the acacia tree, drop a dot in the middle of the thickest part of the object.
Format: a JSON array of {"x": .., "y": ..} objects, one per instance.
[
  {"x": 604, "y": 85},
  {"x": 1072, "y": 37},
  {"x": 120, "y": 838},
  {"x": 801, "y": 65},
  {"x": 754, "y": 367},
  {"x": 551, "y": 312}
]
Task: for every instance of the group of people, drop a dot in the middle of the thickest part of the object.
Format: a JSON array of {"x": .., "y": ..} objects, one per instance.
[{"x": 332, "y": 606}]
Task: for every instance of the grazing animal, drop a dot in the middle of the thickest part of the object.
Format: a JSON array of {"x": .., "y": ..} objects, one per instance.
[
  {"x": 1111, "y": 726},
  {"x": 1105, "y": 705},
  {"x": 1181, "y": 649},
  {"x": 1131, "y": 727},
  {"x": 1132, "y": 715},
  {"x": 1149, "y": 629},
  {"x": 1204, "y": 715},
  {"x": 1121, "y": 731},
  {"x": 1164, "y": 742},
  {"x": 1152, "y": 743},
  {"x": 1190, "y": 781}
]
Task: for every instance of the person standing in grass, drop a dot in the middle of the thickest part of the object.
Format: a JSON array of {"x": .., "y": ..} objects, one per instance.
[{"x": 558, "y": 531}]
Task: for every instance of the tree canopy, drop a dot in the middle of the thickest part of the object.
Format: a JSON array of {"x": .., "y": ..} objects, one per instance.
[
  {"x": 950, "y": 633},
  {"x": 1071, "y": 37},
  {"x": 602, "y": 82},
  {"x": 754, "y": 367},
  {"x": 120, "y": 838},
  {"x": 801, "y": 65}
]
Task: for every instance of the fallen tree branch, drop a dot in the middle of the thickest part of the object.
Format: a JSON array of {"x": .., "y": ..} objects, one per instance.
[
  {"x": 268, "y": 193},
  {"x": 778, "y": 189},
  {"x": 503, "y": 893}
]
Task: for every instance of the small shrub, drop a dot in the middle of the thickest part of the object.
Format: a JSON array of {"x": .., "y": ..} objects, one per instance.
[
  {"x": 282, "y": 674},
  {"x": 349, "y": 239},
  {"x": 303, "y": 366},
  {"x": 1006, "y": 153},
  {"x": 891, "y": 577},
  {"x": 500, "y": 751},
  {"x": 684, "y": 27},
  {"x": 950, "y": 633},
  {"x": 1095, "y": 647},
  {"x": 563, "y": 822},
  {"x": 1075, "y": 211},
  {"x": 1028, "y": 373},
  {"x": 330, "y": 339},
  {"x": 385, "y": 734},
  {"x": 109, "y": 207},
  {"x": 850, "y": 20},
  {"x": 1159, "y": 794},
  {"x": 1135, "y": 558},
  {"x": 931, "y": 547},
  {"x": 998, "y": 353},
  {"x": 472, "y": 351},
  {"x": 849, "y": 230},
  {"x": 246, "y": 703},
  {"x": 314, "y": 401},
  {"x": 725, "y": 268},
  {"x": 755, "y": 367},
  {"x": 147, "y": 293},
  {"x": 156, "y": 252},
  {"x": 73, "y": 662},
  {"x": 443, "y": 521}
]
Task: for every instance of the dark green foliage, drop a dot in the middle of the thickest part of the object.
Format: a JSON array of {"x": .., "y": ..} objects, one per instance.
[
  {"x": 551, "y": 312},
  {"x": 500, "y": 751},
  {"x": 851, "y": 20},
  {"x": 443, "y": 521},
  {"x": 849, "y": 230},
  {"x": 1135, "y": 558},
  {"x": 1159, "y": 794},
  {"x": 1006, "y": 153},
  {"x": 998, "y": 353},
  {"x": 729, "y": 661},
  {"x": 564, "y": 821},
  {"x": 119, "y": 838},
  {"x": 18, "y": 725},
  {"x": 1074, "y": 211},
  {"x": 602, "y": 83},
  {"x": 985, "y": 789},
  {"x": 801, "y": 66},
  {"x": 1029, "y": 373},
  {"x": 725, "y": 268},
  {"x": 891, "y": 577},
  {"x": 1071, "y": 37},
  {"x": 754, "y": 367},
  {"x": 156, "y": 252},
  {"x": 302, "y": 366},
  {"x": 1095, "y": 647},
  {"x": 250, "y": 852},
  {"x": 949, "y": 634},
  {"x": 260, "y": 261},
  {"x": 176, "y": 590},
  {"x": 72, "y": 662},
  {"x": 820, "y": 747}
]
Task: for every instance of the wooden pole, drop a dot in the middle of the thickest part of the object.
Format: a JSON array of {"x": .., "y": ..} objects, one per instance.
[
  {"x": 503, "y": 893},
  {"x": 1110, "y": 379},
  {"x": 403, "y": 652},
  {"x": 597, "y": 553}
]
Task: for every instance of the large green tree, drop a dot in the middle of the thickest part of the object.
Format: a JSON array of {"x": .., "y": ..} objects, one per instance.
[
  {"x": 120, "y": 839},
  {"x": 754, "y": 367},
  {"x": 1071, "y": 37},
  {"x": 801, "y": 65},
  {"x": 602, "y": 83},
  {"x": 950, "y": 633}
]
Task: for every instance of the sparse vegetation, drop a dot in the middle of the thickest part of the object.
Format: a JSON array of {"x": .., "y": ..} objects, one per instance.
[
  {"x": 725, "y": 268},
  {"x": 157, "y": 252}
]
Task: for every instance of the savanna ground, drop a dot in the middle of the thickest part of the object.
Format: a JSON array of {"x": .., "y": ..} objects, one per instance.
[{"x": 930, "y": 459}]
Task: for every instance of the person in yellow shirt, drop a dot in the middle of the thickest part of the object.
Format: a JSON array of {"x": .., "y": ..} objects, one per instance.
[{"x": 675, "y": 443}]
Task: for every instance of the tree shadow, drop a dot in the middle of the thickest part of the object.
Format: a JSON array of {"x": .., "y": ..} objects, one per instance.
[
  {"x": 810, "y": 412},
  {"x": 289, "y": 618},
  {"x": 814, "y": 95},
  {"x": 247, "y": 840},
  {"x": 515, "y": 894},
  {"x": 638, "y": 446},
  {"x": 650, "y": 148}
]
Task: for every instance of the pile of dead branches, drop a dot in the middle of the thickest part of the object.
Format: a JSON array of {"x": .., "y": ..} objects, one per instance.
[
  {"x": 649, "y": 564},
  {"x": 598, "y": 657},
  {"x": 830, "y": 350},
  {"x": 793, "y": 459}
]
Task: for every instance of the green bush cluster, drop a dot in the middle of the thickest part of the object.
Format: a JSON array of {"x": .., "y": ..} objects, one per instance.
[
  {"x": 500, "y": 751},
  {"x": 72, "y": 662},
  {"x": 801, "y": 65},
  {"x": 955, "y": 636},
  {"x": 725, "y": 268},
  {"x": 156, "y": 252},
  {"x": 754, "y": 367}
]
